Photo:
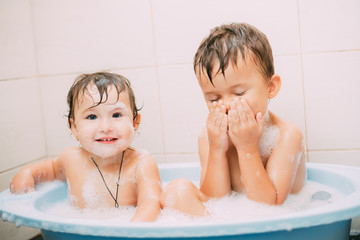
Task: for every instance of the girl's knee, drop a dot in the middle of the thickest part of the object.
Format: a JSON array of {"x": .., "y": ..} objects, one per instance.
[{"x": 176, "y": 191}]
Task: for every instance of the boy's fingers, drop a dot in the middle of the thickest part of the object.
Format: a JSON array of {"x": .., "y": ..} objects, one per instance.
[
  {"x": 247, "y": 110},
  {"x": 233, "y": 112},
  {"x": 241, "y": 111},
  {"x": 224, "y": 122},
  {"x": 230, "y": 118},
  {"x": 260, "y": 121},
  {"x": 213, "y": 106},
  {"x": 223, "y": 109},
  {"x": 217, "y": 116}
]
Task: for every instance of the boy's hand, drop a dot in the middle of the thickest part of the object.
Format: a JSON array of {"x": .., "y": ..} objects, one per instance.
[
  {"x": 23, "y": 182},
  {"x": 244, "y": 129},
  {"x": 217, "y": 123}
]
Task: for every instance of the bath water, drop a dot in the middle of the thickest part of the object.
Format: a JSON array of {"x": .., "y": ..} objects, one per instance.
[{"x": 233, "y": 207}]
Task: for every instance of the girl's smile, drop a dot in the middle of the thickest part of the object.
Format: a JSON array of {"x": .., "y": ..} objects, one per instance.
[{"x": 107, "y": 140}]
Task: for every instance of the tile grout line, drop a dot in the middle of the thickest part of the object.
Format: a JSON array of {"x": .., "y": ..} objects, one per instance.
[
  {"x": 38, "y": 79},
  {"x": 158, "y": 80},
  {"x": 302, "y": 79},
  {"x": 24, "y": 164},
  {"x": 334, "y": 150}
]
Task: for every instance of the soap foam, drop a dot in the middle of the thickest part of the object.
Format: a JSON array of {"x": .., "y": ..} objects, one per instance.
[
  {"x": 269, "y": 138},
  {"x": 234, "y": 207}
]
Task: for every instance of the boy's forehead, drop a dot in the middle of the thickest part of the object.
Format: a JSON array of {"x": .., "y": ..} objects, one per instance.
[
  {"x": 203, "y": 75},
  {"x": 238, "y": 66}
]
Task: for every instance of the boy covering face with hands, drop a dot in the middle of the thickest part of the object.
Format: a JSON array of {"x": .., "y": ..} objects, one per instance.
[{"x": 245, "y": 147}]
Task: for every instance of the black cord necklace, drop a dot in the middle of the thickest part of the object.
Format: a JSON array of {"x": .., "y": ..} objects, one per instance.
[{"x": 117, "y": 183}]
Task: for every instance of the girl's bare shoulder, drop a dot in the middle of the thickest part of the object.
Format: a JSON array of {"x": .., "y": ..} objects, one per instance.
[
  {"x": 72, "y": 155},
  {"x": 140, "y": 156}
]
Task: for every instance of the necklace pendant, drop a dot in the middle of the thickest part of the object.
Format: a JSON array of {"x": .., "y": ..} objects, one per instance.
[{"x": 117, "y": 183}]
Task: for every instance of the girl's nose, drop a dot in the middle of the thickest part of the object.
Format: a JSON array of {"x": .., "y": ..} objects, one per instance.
[{"x": 105, "y": 125}]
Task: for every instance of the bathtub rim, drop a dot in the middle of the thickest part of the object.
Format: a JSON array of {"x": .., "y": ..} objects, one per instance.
[{"x": 312, "y": 217}]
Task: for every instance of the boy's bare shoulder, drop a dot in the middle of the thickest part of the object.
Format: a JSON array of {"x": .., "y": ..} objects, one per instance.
[{"x": 289, "y": 130}]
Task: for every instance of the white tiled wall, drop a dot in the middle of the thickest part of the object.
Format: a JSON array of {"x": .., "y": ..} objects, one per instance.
[{"x": 45, "y": 44}]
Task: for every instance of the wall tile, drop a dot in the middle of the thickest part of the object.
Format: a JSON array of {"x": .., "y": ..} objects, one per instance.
[
  {"x": 332, "y": 100},
  {"x": 330, "y": 25},
  {"x": 17, "y": 57},
  {"x": 289, "y": 103},
  {"x": 183, "y": 106},
  {"x": 83, "y": 35},
  {"x": 350, "y": 157},
  {"x": 54, "y": 91},
  {"x": 181, "y": 25},
  {"x": 22, "y": 137},
  {"x": 190, "y": 157},
  {"x": 159, "y": 158},
  {"x": 146, "y": 89}
]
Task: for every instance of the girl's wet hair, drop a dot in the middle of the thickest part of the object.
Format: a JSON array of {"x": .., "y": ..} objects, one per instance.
[
  {"x": 225, "y": 42},
  {"x": 102, "y": 81}
]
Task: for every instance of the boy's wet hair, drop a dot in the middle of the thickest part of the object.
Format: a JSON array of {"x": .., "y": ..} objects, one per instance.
[
  {"x": 224, "y": 44},
  {"x": 102, "y": 81}
]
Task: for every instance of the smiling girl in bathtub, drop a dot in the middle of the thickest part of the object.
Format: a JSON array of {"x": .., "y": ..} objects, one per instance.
[{"x": 104, "y": 171}]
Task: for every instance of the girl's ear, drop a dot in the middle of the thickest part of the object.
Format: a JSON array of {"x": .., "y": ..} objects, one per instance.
[
  {"x": 73, "y": 129},
  {"x": 136, "y": 122},
  {"x": 274, "y": 86}
]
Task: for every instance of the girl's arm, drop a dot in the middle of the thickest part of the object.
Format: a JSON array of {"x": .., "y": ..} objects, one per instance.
[
  {"x": 48, "y": 170},
  {"x": 148, "y": 189},
  {"x": 25, "y": 180}
]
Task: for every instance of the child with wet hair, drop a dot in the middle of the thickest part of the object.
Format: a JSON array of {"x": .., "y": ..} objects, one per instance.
[
  {"x": 244, "y": 147},
  {"x": 104, "y": 171}
]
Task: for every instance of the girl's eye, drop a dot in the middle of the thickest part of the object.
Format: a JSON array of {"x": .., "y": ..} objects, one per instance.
[
  {"x": 91, "y": 117},
  {"x": 240, "y": 93},
  {"x": 117, "y": 115}
]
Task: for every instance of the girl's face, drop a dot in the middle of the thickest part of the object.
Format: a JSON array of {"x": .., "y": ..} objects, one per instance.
[{"x": 107, "y": 129}]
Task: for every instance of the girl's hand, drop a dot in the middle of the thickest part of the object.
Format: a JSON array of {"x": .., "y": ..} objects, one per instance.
[
  {"x": 217, "y": 124},
  {"x": 245, "y": 129}
]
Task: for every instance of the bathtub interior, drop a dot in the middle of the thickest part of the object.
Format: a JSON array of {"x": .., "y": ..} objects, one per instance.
[{"x": 30, "y": 209}]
